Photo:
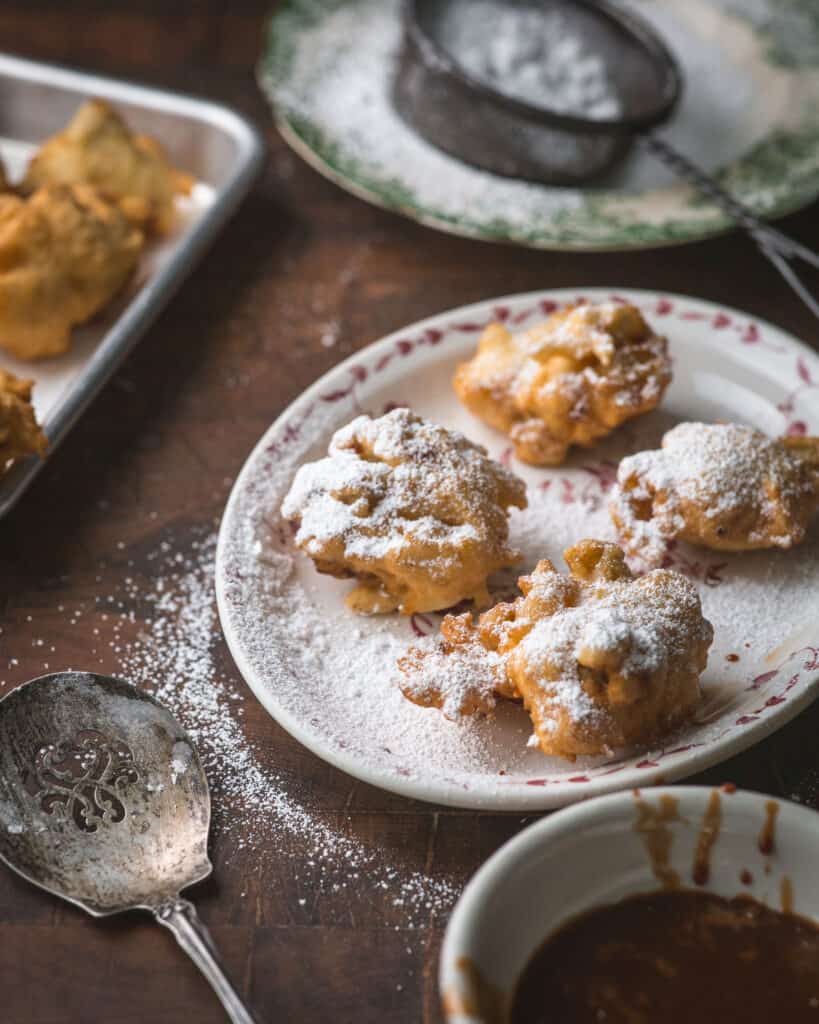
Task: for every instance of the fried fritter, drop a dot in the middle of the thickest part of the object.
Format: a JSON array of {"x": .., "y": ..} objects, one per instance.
[
  {"x": 600, "y": 659},
  {"x": 612, "y": 663},
  {"x": 132, "y": 171},
  {"x": 720, "y": 485},
  {"x": 454, "y": 671},
  {"x": 20, "y": 434},
  {"x": 415, "y": 512},
  {"x": 64, "y": 253},
  {"x": 570, "y": 380}
]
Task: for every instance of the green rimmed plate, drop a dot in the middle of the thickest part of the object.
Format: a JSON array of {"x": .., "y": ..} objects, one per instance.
[{"x": 750, "y": 113}]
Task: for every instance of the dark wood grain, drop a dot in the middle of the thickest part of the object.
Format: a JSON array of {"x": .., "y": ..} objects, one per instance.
[{"x": 154, "y": 458}]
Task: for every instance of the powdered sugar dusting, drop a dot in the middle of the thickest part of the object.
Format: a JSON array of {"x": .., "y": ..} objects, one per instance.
[
  {"x": 463, "y": 677},
  {"x": 725, "y": 469},
  {"x": 530, "y": 54},
  {"x": 330, "y": 677},
  {"x": 356, "y": 79},
  {"x": 392, "y": 496},
  {"x": 583, "y": 333},
  {"x": 174, "y": 659},
  {"x": 722, "y": 465},
  {"x": 643, "y": 627},
  {"x": 334, "y": 95},
  {"x": 336, "y": 675}
]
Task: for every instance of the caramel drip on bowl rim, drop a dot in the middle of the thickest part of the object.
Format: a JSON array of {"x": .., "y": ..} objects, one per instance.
[
  {"x": 767, "y": 835},
  {"x": 652, "y": 824},
  {"x": 709, "y": 832},
  {"x": 476, "y": 999}
]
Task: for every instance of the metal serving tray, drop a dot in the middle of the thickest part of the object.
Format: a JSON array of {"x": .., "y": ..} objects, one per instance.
[{"x": 219, "y": 148}]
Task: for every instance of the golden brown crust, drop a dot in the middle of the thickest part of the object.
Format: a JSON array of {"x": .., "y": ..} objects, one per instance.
[
  {"x": 723, "y": 486},
  {"x": 603, "y": 660},
  {"x": 454, "y": 672},
  {"x": 96, "y": 148},
  {"x": 568, "y": 381},
  {"x": 64, "y": 253},
  {"x": 600, "y": 659},
  {"x": 416, "y": 513},
  {"x": 20, "y": 434}
]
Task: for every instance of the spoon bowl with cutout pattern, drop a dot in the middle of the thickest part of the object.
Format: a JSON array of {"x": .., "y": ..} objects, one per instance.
[{"x": 104, "y": 802}]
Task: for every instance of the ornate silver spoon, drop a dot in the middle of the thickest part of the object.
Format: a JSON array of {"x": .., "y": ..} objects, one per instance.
[{"x": 103, "y": 801}]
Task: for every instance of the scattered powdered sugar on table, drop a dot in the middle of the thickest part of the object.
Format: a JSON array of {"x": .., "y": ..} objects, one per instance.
[
  {"x": 530, "y": 54},
  {"x": 173, "y": 658}
]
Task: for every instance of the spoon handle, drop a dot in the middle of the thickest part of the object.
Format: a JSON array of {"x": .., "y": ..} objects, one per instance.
[{"x": 180, "y": 917}]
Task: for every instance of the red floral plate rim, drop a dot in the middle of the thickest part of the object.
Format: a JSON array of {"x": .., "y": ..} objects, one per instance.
[{"x": 784, "y": 690}]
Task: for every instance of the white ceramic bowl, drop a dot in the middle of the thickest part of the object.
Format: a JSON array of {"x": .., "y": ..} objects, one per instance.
[{"x": 592, "y": 854}]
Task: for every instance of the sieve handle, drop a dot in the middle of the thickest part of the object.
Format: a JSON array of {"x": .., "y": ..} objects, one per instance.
[{"x": 777, "y": 247}]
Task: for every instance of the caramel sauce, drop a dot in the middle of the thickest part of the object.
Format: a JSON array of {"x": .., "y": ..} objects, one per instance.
[
  {"x": 767, "y": 837},
  {"x": 732, "y": 657},
  {"x": 709, "y": 831},
  {"x": 476, "y": 997},
  {"x": 652, "y": 825},
  {"x": 675, "y": 958},
  {"x": 746, "y": 877}
]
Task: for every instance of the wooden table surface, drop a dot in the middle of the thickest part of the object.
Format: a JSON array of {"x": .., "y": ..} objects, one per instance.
[{"x": 153, "y": 461}]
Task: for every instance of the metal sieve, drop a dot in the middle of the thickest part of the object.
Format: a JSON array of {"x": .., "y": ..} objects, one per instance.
[{"x": 464, "y": 114}]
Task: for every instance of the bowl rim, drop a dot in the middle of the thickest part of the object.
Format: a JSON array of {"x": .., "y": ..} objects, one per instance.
[
  {"x": 436, "y": 58},
  {"x": 465, "y": 920}
]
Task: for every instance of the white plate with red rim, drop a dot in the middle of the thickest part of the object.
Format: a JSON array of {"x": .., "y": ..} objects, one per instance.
[{"x": 328, "y": 676}]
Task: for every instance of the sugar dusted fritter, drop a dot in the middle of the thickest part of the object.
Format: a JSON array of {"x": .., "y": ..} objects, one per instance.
[
  {"x": 20, "y": 434},
  {"x": 454, "y": 671},
  {"x": 568, "y": 381},
  {"x": 415, "y": 512},
  {"x": 721, "y": 485},
  {"x": 64, "y": 253},
  {"x": 600, "y": 659},
  {"x": 97, "y": 148},
  {"x": 608, "y": 661}
]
